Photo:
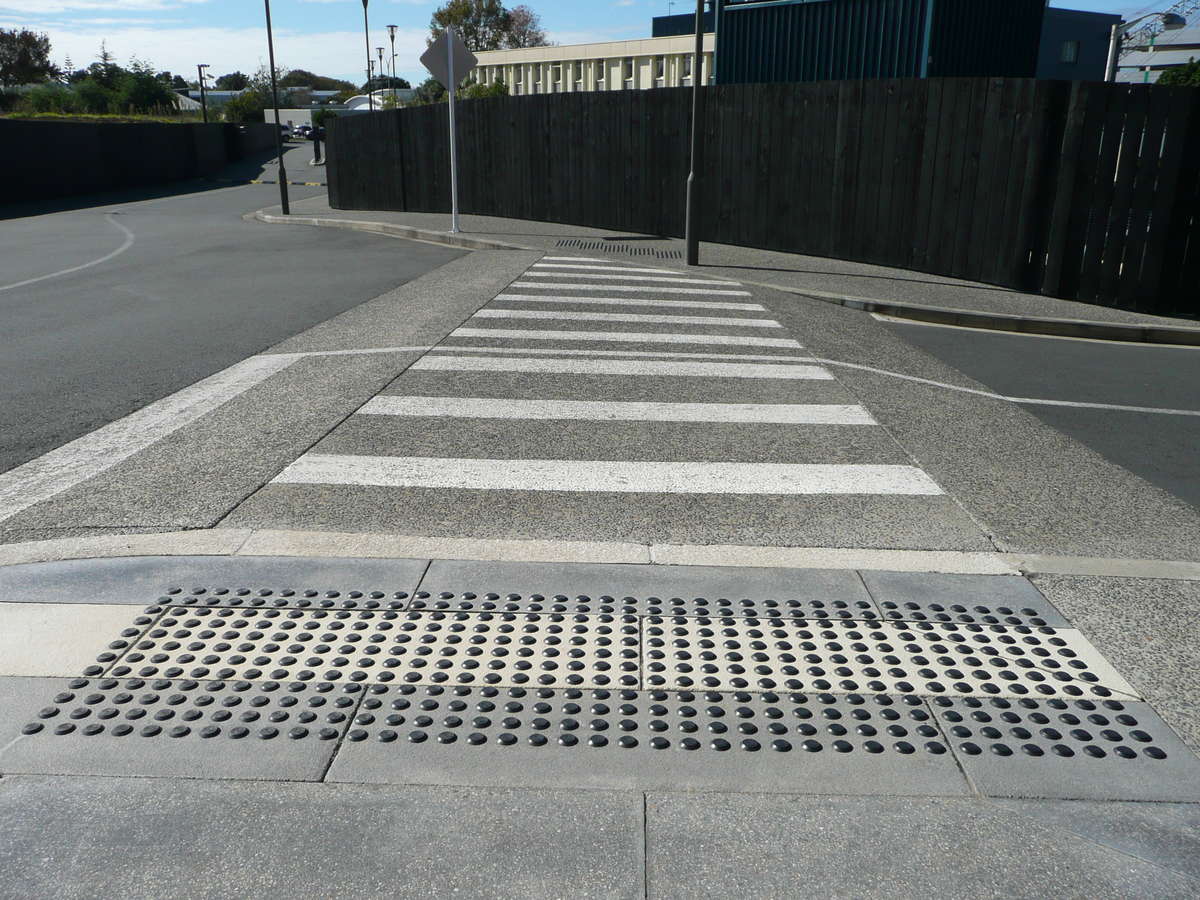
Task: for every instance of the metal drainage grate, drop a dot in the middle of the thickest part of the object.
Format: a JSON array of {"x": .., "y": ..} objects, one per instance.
[
  {"x": 609, "y": 247},
  {"x": 263, "y": 598}
]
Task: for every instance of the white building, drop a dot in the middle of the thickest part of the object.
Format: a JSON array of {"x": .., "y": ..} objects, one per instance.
[{"x": 609, "y": 66}]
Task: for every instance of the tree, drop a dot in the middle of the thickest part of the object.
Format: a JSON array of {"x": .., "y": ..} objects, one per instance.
[
  {"x": 234, "y": 81},
  {"x": 138, "y": 89},
  {"x": 179, "y": 83},
  {"x": 525, "y": 28},
  {"x": 482, "y": 24},
  {"x": 248, "y": 106},
  {"x": 429, "y": 91},
  {"x": 1184, "y": 75},
  {"x": 386, "y": 82},
  {"x": 298, "y": 78},
  {"x": 25, "y": 57},
  {"x": 476, "y": 91}
]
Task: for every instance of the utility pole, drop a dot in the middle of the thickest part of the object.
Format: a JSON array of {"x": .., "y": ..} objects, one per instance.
[
  {"x": 283, "y": 191},
  {"x": 367, "y": 42},
  {"x": 692, "y": 209},
  {"x": 392, "y": 34},
  {"x": 200, "y": 67}
]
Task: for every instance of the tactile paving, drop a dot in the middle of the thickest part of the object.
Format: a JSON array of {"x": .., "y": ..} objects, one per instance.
[
  {"x": 286, "y": 598},
  {"x": 790, "y": 742},
  {"x": 962, "y": 599},
  {"x": 1069, "y": 749},
  {"x": 799, "y": 607},
  {"x": 386, "y": 645},
  {"x": 179, "y": 727},
  {"x": 734, "y": 653}
]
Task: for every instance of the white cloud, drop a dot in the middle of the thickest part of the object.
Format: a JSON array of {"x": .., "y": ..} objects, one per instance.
[
  {"x": 334, "y": 53},
  {"x": 46, "y": 7}
]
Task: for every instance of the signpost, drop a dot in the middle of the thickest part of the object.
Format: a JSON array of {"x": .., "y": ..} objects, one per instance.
[{"x": 449, "y": 61}]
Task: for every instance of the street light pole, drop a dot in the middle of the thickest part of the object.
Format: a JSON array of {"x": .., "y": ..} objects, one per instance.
[
  {"x": 367, "y": 43},
  {"x": 283, "y": 191},
  {"x": 392, "y": 34},
  {"x": 1170, "y": 22},
  {"x": 692, "y": 207},
  {"x": 382, "y": 70},
  {"x": 200, "y": 67}
]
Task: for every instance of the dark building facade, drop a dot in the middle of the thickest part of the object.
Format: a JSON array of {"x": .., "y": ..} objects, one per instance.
[
  {"x": 814, "y": 40},
  {"x": 683, "y": 23},
  {"x": 1074, "y": 44}
]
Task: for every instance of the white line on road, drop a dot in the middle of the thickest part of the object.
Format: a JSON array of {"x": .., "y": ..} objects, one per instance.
[
  {"x": 620, "y": 367},
  {"x": 633, "y": 301},
  {"x": 623, "y": 277},
  {"x": 1032, "y": 401},
  {"x": 599, "y": 411},
  {"x": 593, "y": 259},
  {"x": 492, "y": 312},
  {"x": 651, "y": 288},
  {"x": 99, "y": 450},
  {"x": 610, "y": 268},
  {"x": 556, "y": 351},
  {"x": 125, "y": 245},
  {"x": 639, "y": 337},
  {"x": 607, "y": 476}
]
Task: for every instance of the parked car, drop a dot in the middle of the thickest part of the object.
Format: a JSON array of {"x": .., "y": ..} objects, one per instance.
[
  {"x": 303, "y": 131},
  {"x": 285, "y": 131}
]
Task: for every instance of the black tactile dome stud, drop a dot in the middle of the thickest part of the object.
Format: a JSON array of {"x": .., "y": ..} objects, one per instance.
[{"x": 285, "y": 598}]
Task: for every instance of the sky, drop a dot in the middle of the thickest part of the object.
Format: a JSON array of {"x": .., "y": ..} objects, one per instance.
[{"x": 323, "y": 36}]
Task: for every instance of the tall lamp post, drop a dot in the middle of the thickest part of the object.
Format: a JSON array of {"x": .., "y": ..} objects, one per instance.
[
  {"x": 392, "y": 35},
  {"x": 382, "y": 70},
  {"x": 692, "y": 208},
  {"x": 200, "y": 67},
  {"x": 1170, "y": 22},
  {"x": 283, "y": 191},
  {"x": 367, "y": 43}
]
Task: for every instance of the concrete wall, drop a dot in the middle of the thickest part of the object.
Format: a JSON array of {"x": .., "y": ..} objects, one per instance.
[{"x": 54, "y": 158}]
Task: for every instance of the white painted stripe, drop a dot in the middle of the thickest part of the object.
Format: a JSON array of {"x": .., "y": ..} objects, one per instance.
[
  {"x": 606, "y": 476},
  {"x": 125, "y": 245},
  {"x": 619, "y": 367},
  {"x": 663, "y": 354},
  {"x": 626, "y": 287},
  {"x": 88, "y": 456},
  {"x": 675, "y": 279},
  {"x": 597, "y": 411},
  {"x": 639, "y": 337},
  {"x": 609, "y": 268},
  {"x": 492, "y": 312},
  {"x": 594, "y": 259},
  {"x": 633, "y": 301}
]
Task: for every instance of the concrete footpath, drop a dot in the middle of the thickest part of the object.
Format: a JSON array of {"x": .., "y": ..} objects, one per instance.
[{"x": 899, "y": 292}]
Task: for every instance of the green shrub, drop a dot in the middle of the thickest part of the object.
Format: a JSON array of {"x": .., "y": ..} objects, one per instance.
[
  {"x": 247, "y": 106},
  {"x": 51, "y": 98},
  {"x": 93, "y": 97}
]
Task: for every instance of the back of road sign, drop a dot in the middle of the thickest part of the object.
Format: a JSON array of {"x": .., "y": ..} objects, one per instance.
[{"x": 436, "y": 58}]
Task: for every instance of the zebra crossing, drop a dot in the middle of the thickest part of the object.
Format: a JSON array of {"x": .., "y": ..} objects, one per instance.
[{"x": 661, "y": 406}]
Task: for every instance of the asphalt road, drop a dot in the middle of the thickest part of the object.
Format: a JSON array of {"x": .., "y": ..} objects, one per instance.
[
  {"x": 1160, "y": 448},
  {"x": 188, "y": 288}
]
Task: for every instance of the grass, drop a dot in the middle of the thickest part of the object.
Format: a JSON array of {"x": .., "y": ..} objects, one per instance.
[{"x": 188, "y": 118}]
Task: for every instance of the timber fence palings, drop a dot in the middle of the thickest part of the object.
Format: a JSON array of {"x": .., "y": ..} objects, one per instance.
[{"x": 1080, "y": 190}]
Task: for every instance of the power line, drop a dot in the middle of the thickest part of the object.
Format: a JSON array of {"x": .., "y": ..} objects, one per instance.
[{"x": 1143, "y": 34}]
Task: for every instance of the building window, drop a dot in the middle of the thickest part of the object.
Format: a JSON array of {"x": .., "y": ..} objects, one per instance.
[
  {"x": 601, "y": 74},
  {"x": 629, "y": 80},
  {"x": 1069, "y": 52}
]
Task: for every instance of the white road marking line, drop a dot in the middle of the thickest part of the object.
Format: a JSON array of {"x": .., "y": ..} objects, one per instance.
[
  {"x": 633, "y": 301},
  {"x": 125, "y": 245},
  {"x": 88, "y": 456},
  {"x": 675, "y": 279},
  {"x": 492, "y": 312},
  {"x": 607, "y": 476},
  {"x": 1032, "y": 401},
  {"x": 649, "y": 288},
  {"x": 639, "y": 337},
  {"x": 547, "y": 265},
  {"x": 745, "y": 357},
  {"x": 594, "y": 259},
  {"x": 598, "y": 411},
  {"x": 619, "y": 367}
]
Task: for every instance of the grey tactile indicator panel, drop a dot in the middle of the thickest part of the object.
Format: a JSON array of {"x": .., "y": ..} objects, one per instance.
[
  {"x": 737, "y": 653},
  {"x": 826, "y": 690},
  {"x": 385, "y": 645},
  {"x": 648, "y": 739},
  {"x": 161, "y": 727}
]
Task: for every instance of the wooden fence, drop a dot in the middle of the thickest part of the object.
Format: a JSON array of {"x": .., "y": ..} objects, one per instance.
[{"x": 1080, "y": 190}]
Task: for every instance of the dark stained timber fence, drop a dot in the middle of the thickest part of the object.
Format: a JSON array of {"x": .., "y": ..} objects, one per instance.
[{"x": 1081, "y": 190}]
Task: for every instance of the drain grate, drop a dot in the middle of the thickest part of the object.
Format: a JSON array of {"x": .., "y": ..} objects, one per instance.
[
  {"x": 264, "y": 598},
  {"x": 626, "y": 249}
]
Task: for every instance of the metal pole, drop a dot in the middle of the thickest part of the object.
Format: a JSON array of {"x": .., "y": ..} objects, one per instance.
[
  {"x": 283, "y": 191},
  {"x": 453, "y": 134},
  {"x": 1114, "y": 43},
  {"x": 382, "y": 69},
  {"x": 392, "y": 34},
  {"x": 367, "y": 42},
  {"x": 203, "y": 101},
  {"x": 692, "y": 208}
]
